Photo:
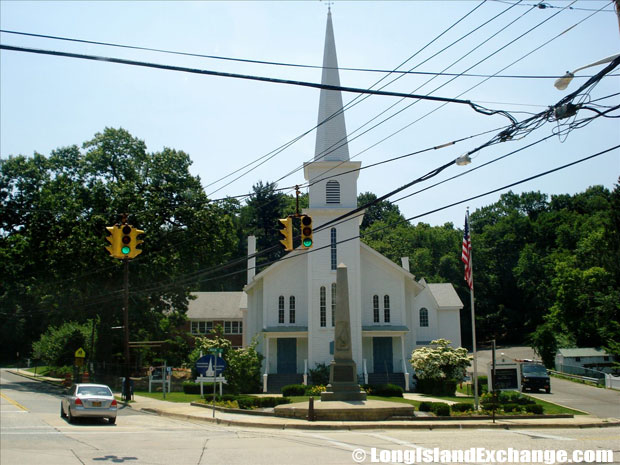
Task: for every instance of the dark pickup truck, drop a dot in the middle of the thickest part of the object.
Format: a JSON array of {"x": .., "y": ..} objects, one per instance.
[{"x": 534, "y": 376}]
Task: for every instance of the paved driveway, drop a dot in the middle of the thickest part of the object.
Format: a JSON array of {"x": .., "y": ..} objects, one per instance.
[{"x": 600, "y": 402}]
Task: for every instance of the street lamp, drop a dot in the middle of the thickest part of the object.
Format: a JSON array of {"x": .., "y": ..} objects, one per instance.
[{"x": 563, "y": 82}]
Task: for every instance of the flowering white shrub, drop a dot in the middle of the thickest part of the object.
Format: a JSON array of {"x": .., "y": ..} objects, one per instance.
[{"x": 440, "y": 361}]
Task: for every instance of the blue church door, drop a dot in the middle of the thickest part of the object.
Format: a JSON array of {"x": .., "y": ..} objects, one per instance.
[
  {"x": 287, "y": 355},
  {"x": 382, "y": 354}
]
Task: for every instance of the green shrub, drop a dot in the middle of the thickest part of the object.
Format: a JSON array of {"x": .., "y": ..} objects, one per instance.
[
  {"x": 511, "y": 408},
  {"x": 440, "y": 409},
  {"x": 251, "y": 402},
  {"x": 462, "y": 407},
  {"x": 535, "y": 408},
  {"x": 387, "y": 390},
  {"x": 294, "y": 390},
  {"x": 425, "y": 406},
  {"x": 190, "y": 387},
  {"x": 436, "y": 387},
  {"x": 267, "y": 402},
  {"x": 319, "y": 375}
]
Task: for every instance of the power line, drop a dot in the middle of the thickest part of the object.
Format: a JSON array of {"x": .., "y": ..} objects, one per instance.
[
  {"x": 207, "y": 72},
  {"x": 357, "y": 100},
  {"x": 273, "y": 63}
]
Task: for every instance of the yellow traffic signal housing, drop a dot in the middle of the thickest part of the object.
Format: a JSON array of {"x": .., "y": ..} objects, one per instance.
[
  {"x": 306, "y": 232},
  {"x": 124, "y": 241},
  {"x": 135, "y": 251},
  {"x": 115, "y": 240},
  {"x": 287, "y": 233}
]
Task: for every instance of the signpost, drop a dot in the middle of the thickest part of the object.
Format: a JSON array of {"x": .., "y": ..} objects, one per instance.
[
  {"x": 80, "y": 355},
  {"x": 211, "y": 367}
]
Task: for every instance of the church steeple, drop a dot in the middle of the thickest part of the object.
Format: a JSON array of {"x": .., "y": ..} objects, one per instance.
[{"x": 331, "y": 136}]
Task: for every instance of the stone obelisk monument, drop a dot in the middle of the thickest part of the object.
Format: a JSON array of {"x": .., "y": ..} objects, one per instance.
[{"x": 343, "y": 383}]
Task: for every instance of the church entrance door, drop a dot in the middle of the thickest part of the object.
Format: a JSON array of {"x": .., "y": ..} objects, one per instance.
[
  {"x": 382, "y": 354},
  {"x": 287, "y": 355}
]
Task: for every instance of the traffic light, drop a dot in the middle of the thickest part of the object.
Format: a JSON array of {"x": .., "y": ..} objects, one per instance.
[
  {"x": 306, "y": 232},
  {"x": 115, "y": 240},
  {"x": 287, "y": 233},
  {"x": 133, "y": 245},
  {"x": 126, "y": 240}
]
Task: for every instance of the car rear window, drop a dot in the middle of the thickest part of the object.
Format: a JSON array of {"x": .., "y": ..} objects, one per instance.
[{"x": 94, "y": 391}]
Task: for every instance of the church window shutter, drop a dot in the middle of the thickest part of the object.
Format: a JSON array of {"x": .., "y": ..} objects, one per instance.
[
  {"x": 386, "y": 308},
  {"x": 334, "y": 253},
  {"x": 323, "y": 307},
  {"x": 281, "y": 309},
  {"x": 332, "y": 192},
  {"x": 423, "y": 317},
  {"x": 375, "y": 308},
  {"x": 291, "y": 310},
  {"x": 333, "y": 303}
]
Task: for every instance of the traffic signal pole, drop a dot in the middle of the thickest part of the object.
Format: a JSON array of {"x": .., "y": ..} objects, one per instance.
[{"x": 127, "y": 370}]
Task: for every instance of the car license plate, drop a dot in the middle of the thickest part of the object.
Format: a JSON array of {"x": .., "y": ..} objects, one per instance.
[{"x": 96, "y": 404}]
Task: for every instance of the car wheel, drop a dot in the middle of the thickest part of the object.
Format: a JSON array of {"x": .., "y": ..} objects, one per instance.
[
  {"x": 112, "y": 420},
  {"x": 548, "y": 391},
  {"x": 71, "y": 417},
  {"x": 62, "y": 412}
]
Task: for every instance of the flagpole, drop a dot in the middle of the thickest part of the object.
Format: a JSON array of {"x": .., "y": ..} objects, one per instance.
[{"x": 473, "y": 321}]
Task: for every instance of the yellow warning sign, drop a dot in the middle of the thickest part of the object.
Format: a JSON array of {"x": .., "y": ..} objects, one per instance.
[{"x": 80, "y": 353}]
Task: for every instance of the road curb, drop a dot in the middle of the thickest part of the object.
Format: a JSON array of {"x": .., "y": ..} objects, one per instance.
[{"x": 378, "y": 425}]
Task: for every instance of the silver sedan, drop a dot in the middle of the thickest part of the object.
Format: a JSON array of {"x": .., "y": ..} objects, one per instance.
[{"x": 89, "y": 400}]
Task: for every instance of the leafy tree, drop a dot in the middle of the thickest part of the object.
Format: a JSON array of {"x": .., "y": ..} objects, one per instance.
[
  {"x": 57, "y": 346},
  {"x": 52, "y": 240},
  {"x": 242, "y": 365}
]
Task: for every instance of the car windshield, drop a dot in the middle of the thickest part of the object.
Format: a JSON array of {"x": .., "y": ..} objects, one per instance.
[
  {"x": 94, "y": 391},
  {"x": 534, "y": 369}
]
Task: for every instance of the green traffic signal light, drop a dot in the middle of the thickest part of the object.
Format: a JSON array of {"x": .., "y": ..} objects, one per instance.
[
  {"x": 126, "y": 240},
  {"x": 306, "y": 231}
]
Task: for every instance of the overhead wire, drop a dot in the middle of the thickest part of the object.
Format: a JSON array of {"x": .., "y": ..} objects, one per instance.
[{"x": 357, "y": 100}]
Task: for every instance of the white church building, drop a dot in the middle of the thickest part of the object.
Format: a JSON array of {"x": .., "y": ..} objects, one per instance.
[{"x": 290, "y": 304}]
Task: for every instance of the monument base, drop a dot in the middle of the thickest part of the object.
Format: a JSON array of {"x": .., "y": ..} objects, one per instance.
[
  {"x": 343, "y": 384},
  {"x": 370, "y": 410}
]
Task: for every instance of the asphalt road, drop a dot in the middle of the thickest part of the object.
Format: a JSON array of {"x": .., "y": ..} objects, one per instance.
[
  {"x": 32, "y": 432},
  {"x": 602, "y": 403}
]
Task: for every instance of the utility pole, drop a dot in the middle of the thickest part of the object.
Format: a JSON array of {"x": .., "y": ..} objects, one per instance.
[{"x": 124, "y": 243}]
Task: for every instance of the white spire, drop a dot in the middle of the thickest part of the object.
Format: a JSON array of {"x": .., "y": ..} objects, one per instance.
[{"x": 331, "y": 136}]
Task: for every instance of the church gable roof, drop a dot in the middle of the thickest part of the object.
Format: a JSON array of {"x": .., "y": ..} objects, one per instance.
[
  {"x": 217, "y": 305},
  {"x": 445, "y": 295}
]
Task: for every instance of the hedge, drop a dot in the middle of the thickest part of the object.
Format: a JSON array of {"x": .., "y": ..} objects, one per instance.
[
  {"x": 436, "y": 387},
  {"x": 294, "y": 390}
]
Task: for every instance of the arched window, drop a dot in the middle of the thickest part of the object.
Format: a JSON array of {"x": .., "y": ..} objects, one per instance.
[
  {"x": 322, "y": 307},
  {"x": 333, "y": 303},
  {"x": 333, "y": 249},
  {"x": 423, "y": 317},
  {"x": 291, "y": 309},
  {"x": 375, "y": 308},
  {"x": 386, "y": 308},
  {"x": 332, "y": 192},
  {"x": 281, "y": 309}
]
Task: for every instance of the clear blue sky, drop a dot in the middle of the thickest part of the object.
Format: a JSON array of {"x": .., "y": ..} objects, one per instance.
[{"x": 223, "y": 124}]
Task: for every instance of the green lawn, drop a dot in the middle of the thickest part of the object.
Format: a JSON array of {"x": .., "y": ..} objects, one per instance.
[
  {"x": 170, "y": 396},
  {"x": 181, "y": 397},
  {"x": 40, "y": 370}
]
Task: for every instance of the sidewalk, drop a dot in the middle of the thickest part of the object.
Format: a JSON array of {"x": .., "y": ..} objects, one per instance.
[{"x": 199, "y": 413}]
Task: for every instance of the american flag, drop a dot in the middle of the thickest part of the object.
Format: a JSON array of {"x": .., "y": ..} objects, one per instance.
[{"x": 466, "y": 254}]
